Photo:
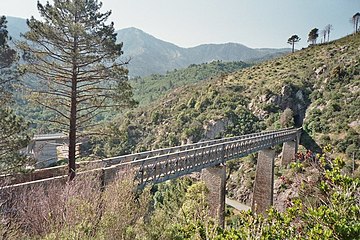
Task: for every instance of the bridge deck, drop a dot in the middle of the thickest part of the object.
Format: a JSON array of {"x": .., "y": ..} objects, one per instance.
[{"x": 160, "y": 165}]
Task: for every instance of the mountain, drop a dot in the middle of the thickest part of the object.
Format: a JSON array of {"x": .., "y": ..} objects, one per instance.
[
  {"x": 317, "y": 88},
  {"x": 150, "y": 55},
  {"x": 16, "y": 26}
]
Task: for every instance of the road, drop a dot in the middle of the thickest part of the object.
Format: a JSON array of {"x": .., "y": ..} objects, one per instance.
[{"x": 236, "y": 205}]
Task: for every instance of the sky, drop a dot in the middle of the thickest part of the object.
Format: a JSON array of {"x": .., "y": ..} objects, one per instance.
[{"x": 188, "y": 23}]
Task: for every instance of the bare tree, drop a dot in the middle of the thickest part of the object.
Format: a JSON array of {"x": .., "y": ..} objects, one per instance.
[
  {"x": 323, "y": 35},
  {"x": 328, "y": 28},
  {"x": 355, "y": 21}
]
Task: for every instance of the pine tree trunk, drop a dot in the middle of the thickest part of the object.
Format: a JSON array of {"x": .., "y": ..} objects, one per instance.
[
  {"x": 293, "y": 46},
  {"x": 73, "y": 111},
  {"x": 72, "y": 130}
]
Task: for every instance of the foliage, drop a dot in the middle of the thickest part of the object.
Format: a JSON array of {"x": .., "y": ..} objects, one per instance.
[
  {"x": 180, "y": 212},
  {"x": 322, "y": 89},
  {"x": 292, "y": 40},
  {"x": 334, "y": 216},
  {"x": 8, "y": 60},
  {"x": 13, "y": 130},
  {"x": 73, "y": 53},
  {"x": 327, "y": 208},
  {"x": 149, "y": 89},
  {"x": 313, "y": 35},
  {"x": 13, "y": 137},
  {"x": 287, "y": 118},
  {"x": 76, "y": 210}
]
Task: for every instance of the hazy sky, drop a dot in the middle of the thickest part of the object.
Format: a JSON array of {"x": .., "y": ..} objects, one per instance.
[{"x": 187, "y": 23}]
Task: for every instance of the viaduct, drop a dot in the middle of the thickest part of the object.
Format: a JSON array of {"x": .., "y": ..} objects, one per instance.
[{"x": 209, "y": 157}]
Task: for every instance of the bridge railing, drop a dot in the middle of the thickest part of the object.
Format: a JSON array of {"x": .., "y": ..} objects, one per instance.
[
  {"x": 86, "y": 165},
  {"x": 161, "y": 168}
]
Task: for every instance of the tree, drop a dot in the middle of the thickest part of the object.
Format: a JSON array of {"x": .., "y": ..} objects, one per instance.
[
  {"x": 313, "y": 35},
  {"x": 74, "y": 56},
  {"x": 287, "y": 118},
  {"x": 355, "y": 21},
  {"x": 13, "y": 130},
  {"x": 292, "y": 40},
  {"x": 8, "y": 58},
  {"x": 13, "y": 136},
  {"x": 328, "y": 28},
  {"x": 323, "y": 34}
]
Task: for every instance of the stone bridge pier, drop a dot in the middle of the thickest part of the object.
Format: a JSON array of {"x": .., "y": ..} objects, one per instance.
[
  {"x": 289, "y": 151},
  {"x": 215, "y": 181}
]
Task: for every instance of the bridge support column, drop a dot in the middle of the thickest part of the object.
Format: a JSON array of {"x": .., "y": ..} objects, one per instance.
[
  {"x": 215, "y": 181},
  {"x": 264, "y": 181},
  {"x": 288, "y": 152}
]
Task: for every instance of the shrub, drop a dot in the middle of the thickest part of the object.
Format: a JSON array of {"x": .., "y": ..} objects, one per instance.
[{"x": 75, "y": 210}]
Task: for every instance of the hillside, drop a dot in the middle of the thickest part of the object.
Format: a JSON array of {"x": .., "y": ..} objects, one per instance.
[
  {"x": 147, "y": 89},
  {"x": 320, "y": 84},
  {"x": 149, "y": 55}
]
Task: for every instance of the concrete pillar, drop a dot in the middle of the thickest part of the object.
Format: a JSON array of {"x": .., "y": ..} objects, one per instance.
[
  {"x": 264, "y": 181},
  {"x": 288, "y": 152},
  {"x": 215, "y": 181}
]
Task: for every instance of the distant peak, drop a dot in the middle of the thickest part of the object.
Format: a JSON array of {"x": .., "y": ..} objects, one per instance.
[{"x": 132, "y": 29}]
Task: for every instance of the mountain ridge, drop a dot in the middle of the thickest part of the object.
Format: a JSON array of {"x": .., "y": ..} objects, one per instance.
[{"x": 150, "y": 55}]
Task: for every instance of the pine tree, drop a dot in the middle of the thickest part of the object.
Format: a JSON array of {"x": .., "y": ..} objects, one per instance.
[
  {"x": 73, "y": 54},
  {"x": 13, "y": 136},
  {"x": 313, "y": 35},
  {"x": 292, "y": 40},
  {"x": 8, "y": 58},
  {"x": 13, "y": 130}
]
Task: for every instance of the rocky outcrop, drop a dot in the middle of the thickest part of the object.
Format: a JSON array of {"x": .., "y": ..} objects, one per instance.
[
  {"x": 289, "y": 97},
  {"x": 215, "y": 128}
]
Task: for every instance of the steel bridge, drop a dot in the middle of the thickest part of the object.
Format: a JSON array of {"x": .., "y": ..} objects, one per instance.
[{"x": 159, "y": 165}]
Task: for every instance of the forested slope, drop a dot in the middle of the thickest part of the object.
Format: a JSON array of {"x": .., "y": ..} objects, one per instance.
[{"x": 319, "y": 87}]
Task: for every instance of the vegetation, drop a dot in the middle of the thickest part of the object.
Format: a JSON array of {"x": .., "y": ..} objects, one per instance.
[
  {"x": 148, "y": 89},
  {"x": 292, "y": 40},
  {"x": 313, "y": 35},
  {"x": 318, "y": 82},
  {"x": 72, "y": 53},
  {"x": 327, "y": 208},
  {"x": 13, "y": 130},
  {"x": 13, "y": 137},
  {"x": 328, "y": 28}
]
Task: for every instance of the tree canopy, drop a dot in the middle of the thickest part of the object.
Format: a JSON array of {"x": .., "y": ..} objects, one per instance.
[
  {"x": 8, "y": 57},
  {"x": 292, "y": 40},
  {"x": 13, "y": 130},
  {"x": 313, "y": 35},
  {"x": 73, "y": 54}
]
